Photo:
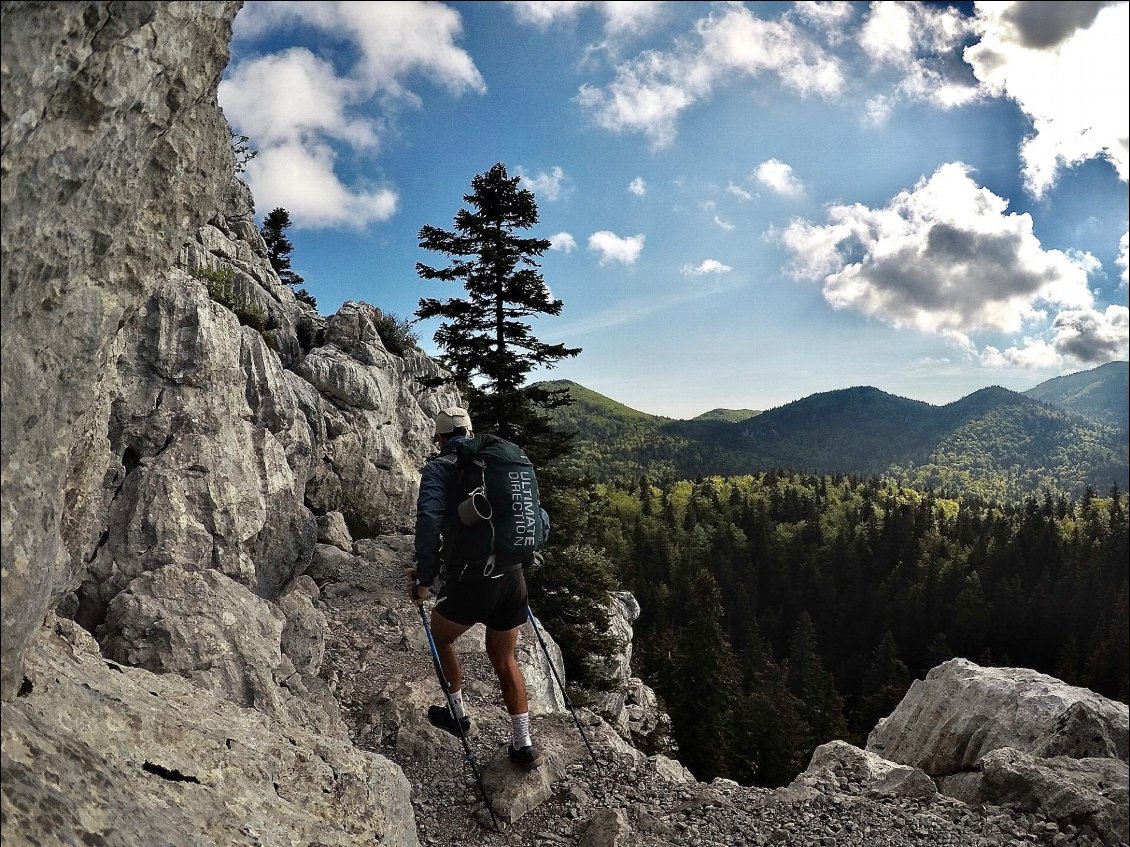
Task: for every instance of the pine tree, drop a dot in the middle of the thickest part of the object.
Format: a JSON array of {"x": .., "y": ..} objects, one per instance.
[
  {"x": 486, "y": 339},
  {"x": 823, "y": 709},
  {"x": 702, "y": 708},
  {"x": 279, "y": 248},
  {"x": 884, "y": 683}
]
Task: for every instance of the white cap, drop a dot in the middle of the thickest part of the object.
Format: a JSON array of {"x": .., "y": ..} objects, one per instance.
[{"x": 450, "y": 418}]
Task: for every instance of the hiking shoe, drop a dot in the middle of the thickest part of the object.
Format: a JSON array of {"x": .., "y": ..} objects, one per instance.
[
  {"x": 441, "y": 716},
  {"x": 527, "y": 758}
]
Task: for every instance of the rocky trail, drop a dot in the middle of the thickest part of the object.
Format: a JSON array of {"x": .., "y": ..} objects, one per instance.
[{"x": 376, "y": 654}]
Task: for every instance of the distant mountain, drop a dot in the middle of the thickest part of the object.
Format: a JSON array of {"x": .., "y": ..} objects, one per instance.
[
  {"x": 729, "y": 415},
  {"x": 994, "y": 442},
  {"x": 1102, "y": 394}
]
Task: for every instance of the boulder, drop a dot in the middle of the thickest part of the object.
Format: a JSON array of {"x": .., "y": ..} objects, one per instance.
[
  {"x": 332, "y": 530},
  {"x": 961, "y": 711},
  {"x": 1085, "y": 791},
  {"x": 1017, "y": 738},
  {"x": 838, "y": 760}
]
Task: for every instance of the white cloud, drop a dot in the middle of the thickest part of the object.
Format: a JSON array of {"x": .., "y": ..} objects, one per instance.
[
  {"x": 638, "y": 186},
  {"x": 724, "y": 225},
  {"x": 283, "y": 97},
  {"x": 625, "y": 16},
  {"x": 738, "y": 192},
  {"x": 301, "y": 179},
  {"x": 779, "y": 177},
  {"x": 1065, "y": 66},
  {"x": 651, "y": 90},
  {"x": 943, "y": 258},
  {"x": 393, "y": 40},
  {"x": 614, "y": 248},
  {"x": 563, "y": 241},
  {"x": 706, "y": 266},
  {"x": 547, "y": 186},
  {"x": 1123, "y": 260},
  {"x": 293, "y": 104}
]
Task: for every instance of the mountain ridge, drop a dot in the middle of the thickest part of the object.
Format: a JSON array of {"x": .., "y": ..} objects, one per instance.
[{"x": 993, "y": 441}]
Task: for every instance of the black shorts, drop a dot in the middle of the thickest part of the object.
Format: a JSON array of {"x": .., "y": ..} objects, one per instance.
[{"x": 499, "y": 602}]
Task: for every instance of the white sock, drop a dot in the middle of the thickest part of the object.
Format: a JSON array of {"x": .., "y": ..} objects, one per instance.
[
  {"x": 457, "y": 702},
  {"x": 520, "y": 731}
]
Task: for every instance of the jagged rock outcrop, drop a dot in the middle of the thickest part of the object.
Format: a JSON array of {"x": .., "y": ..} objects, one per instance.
[
  {"x": 631, "y": 706},
  {"x": 1012, "y": 736},
  {"x": 102, "y": 753},
  {"x": 114, "y": 152}
]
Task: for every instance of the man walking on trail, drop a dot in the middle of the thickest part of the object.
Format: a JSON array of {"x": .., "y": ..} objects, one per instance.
[{"x": 498, "y": 600}]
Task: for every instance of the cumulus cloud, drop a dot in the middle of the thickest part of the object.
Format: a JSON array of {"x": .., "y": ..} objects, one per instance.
[
  {"x": 301, "y": 178},
  {"x": 626, "y": 16},
  {"x": 547, "y": 186},
  {"x": 650, "y": 91},
  {"x": 614, "y": 248},
  {"x": 723, "y": 225},
  {"x": 393, "y": 40},
  {"x": 943, "y": 258},
  {"x": 638, "y": 186},
  {"x": 293, "y": 104},
  {"x": 778, "y": 177},
  {"x": 706, "y": 266},
  {"x": 922, "y": 42},
  {"x": 283, "y": 97},
  {"x": 563, "y": 241},
  {"x": 1065, "y": 66}
]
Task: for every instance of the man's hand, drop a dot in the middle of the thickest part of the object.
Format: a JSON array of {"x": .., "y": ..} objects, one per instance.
[{"x": 416, "y": 593}]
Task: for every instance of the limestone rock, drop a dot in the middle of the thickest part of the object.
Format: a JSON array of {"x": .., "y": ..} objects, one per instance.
[
  {"x": 623, "y": 611},
  {"x": 1086, "y": 790},
  {"x": 213, "y": 631},
  {"x": 114, "y": 152},
  {"x": 304, "y": 633},
  {"x": 839, "y": 760},
  {"x": 962, "y": 711},
  {"x": 113, "y": 754},
  {"x": 332, "y": 530},
  {"x": 608, "y": 828}
]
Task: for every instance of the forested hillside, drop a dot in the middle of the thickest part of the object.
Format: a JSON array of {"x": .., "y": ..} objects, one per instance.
[
  {"x": 782, "y": 610},
  {"x": 993, "y": 443},
  {"x": 1099, "y": 393}
]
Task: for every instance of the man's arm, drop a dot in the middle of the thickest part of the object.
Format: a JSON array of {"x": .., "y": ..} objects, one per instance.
[{"x": 431, "y": 504}]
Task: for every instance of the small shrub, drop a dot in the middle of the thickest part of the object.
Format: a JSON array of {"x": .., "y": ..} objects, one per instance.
[
  {"x": 253, "y": 316},
  {"x": 220, "y": 282},
  {"x": 396, "y": 333}
]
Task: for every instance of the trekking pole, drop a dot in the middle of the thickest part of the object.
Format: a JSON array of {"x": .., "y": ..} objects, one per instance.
[
  {"x": 468, "y": 754},
  {"x": 561, "y": 685}
]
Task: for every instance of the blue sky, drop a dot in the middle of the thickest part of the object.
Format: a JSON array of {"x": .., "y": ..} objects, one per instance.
[{"x": 749, "y": 202}]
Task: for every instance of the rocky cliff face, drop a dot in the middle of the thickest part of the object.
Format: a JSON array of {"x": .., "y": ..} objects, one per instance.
[
  {"x": 114, "y": 152},
  {"x": 206, "y": 488}
]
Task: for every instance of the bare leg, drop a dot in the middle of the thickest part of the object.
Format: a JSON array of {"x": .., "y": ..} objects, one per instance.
[
  {"x": 500, "y": 650},
  {"x": 444, "y": 633}
]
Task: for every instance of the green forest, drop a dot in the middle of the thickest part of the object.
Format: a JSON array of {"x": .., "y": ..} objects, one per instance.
[{"x": 780, "y": 610}]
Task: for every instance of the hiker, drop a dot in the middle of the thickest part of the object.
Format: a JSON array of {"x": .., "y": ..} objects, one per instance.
[{"x": 493, "y": 596}]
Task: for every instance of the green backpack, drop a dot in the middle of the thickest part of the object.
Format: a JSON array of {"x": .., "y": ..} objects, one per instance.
[{"x": 516, "y": 527}]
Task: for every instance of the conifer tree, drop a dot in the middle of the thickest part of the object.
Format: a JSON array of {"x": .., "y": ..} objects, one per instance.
[
  {"x": 884, "y": 683},
  {"x": 279, "y": 248},
  {"x": 822, "y": 710},
  {"x": 702, "y": 708},
  {"x": 486, "y": 338}
]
